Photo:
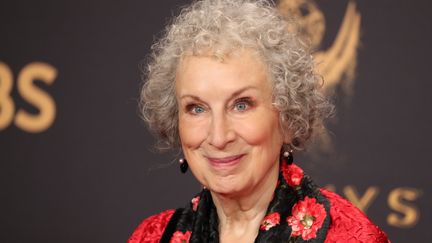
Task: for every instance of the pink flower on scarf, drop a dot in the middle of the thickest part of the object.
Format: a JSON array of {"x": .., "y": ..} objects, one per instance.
[
  {"x": 180, "y": 237},
  {"x": 270, "y": 221},
  {"x": 195, "y": 202},
  {"x": 307, "y": 218},
  {"x": 292, "y": 174}
]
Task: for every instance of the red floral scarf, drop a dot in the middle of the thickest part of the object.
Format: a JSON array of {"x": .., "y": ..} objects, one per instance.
[{"x": 297, "y": 213}]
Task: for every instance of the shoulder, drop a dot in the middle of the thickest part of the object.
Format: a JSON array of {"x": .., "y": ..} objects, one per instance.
[
  {"x": 151, "y": 229},
  {"x": 349, "y": 224}
]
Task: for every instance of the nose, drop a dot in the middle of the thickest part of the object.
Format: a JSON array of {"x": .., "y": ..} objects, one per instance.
[{"x": 220, "y": 131}]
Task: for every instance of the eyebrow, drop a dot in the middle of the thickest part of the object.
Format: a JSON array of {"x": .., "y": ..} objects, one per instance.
[{"x": 236, "y": 93}]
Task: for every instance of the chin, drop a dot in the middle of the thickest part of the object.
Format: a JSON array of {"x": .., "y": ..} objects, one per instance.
[{"x": 227, "y": 188}]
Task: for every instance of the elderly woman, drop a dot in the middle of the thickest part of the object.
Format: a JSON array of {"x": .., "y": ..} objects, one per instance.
[{"x": 236, "y": 90}]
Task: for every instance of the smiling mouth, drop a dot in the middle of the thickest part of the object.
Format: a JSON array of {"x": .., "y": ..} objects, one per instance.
[{"x": 225, "y": 161}]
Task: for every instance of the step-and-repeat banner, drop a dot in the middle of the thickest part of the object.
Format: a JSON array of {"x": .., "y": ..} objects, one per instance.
[{"x": 78, "y": 165}]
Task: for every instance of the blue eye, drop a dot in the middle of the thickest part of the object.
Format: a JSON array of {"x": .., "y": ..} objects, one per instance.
[
  {"x": 241, "y": 106},
  {"x": 197, "y": 109}
]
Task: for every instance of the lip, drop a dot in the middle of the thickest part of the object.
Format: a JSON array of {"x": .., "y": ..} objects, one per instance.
[{"x": 224, "y": 162}]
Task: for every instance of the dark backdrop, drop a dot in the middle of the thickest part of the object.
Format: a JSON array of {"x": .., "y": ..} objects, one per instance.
[{"x": 77, "y": 163}]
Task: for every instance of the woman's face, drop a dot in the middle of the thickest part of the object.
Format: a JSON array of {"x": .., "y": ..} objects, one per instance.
[{"x": 229, "y": 129}]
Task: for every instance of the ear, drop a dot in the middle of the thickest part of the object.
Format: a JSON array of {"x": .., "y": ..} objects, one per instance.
[{"x": 287, "y": 137}]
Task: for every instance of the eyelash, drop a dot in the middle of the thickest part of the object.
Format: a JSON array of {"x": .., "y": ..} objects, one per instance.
[
  {"x": 244, "y": 100},
  {"x": 190, "y": 108}
]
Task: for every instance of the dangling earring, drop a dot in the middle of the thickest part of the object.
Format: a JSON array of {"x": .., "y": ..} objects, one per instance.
[
  {"x": 183, "y": 165},
  {"x": 288, "y": 156}
]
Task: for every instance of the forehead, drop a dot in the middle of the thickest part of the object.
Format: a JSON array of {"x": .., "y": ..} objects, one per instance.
[{"x": 238, "y": 68}]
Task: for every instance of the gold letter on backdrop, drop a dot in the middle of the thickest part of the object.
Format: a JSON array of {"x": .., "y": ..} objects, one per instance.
[
  {"x": 397, "y": 201},
  {"x": 362, "y": 202},
  {"x": 6, "y": 103},
  {"x": 35, "y": 96}
]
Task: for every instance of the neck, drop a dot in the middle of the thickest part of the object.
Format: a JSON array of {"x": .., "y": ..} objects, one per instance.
[{"x": 240, "y": 215}]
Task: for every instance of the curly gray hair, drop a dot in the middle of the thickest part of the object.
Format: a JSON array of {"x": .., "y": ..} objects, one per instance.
[{"x": 222, "y": 27}]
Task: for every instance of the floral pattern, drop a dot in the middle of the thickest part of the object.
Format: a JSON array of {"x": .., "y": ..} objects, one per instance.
[
  {"x": 270, "y": 221},
  {"x": 195, "y": 202},
  {"x": 307, "y": 218},
  {"x": 292, "y": 174},
  {"x": 180, "y": 237}
]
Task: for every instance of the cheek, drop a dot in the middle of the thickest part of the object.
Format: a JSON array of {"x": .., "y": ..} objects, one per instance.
[
  {"x": 192, "y": 133},
  {"x": 262, "y": 130}
]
